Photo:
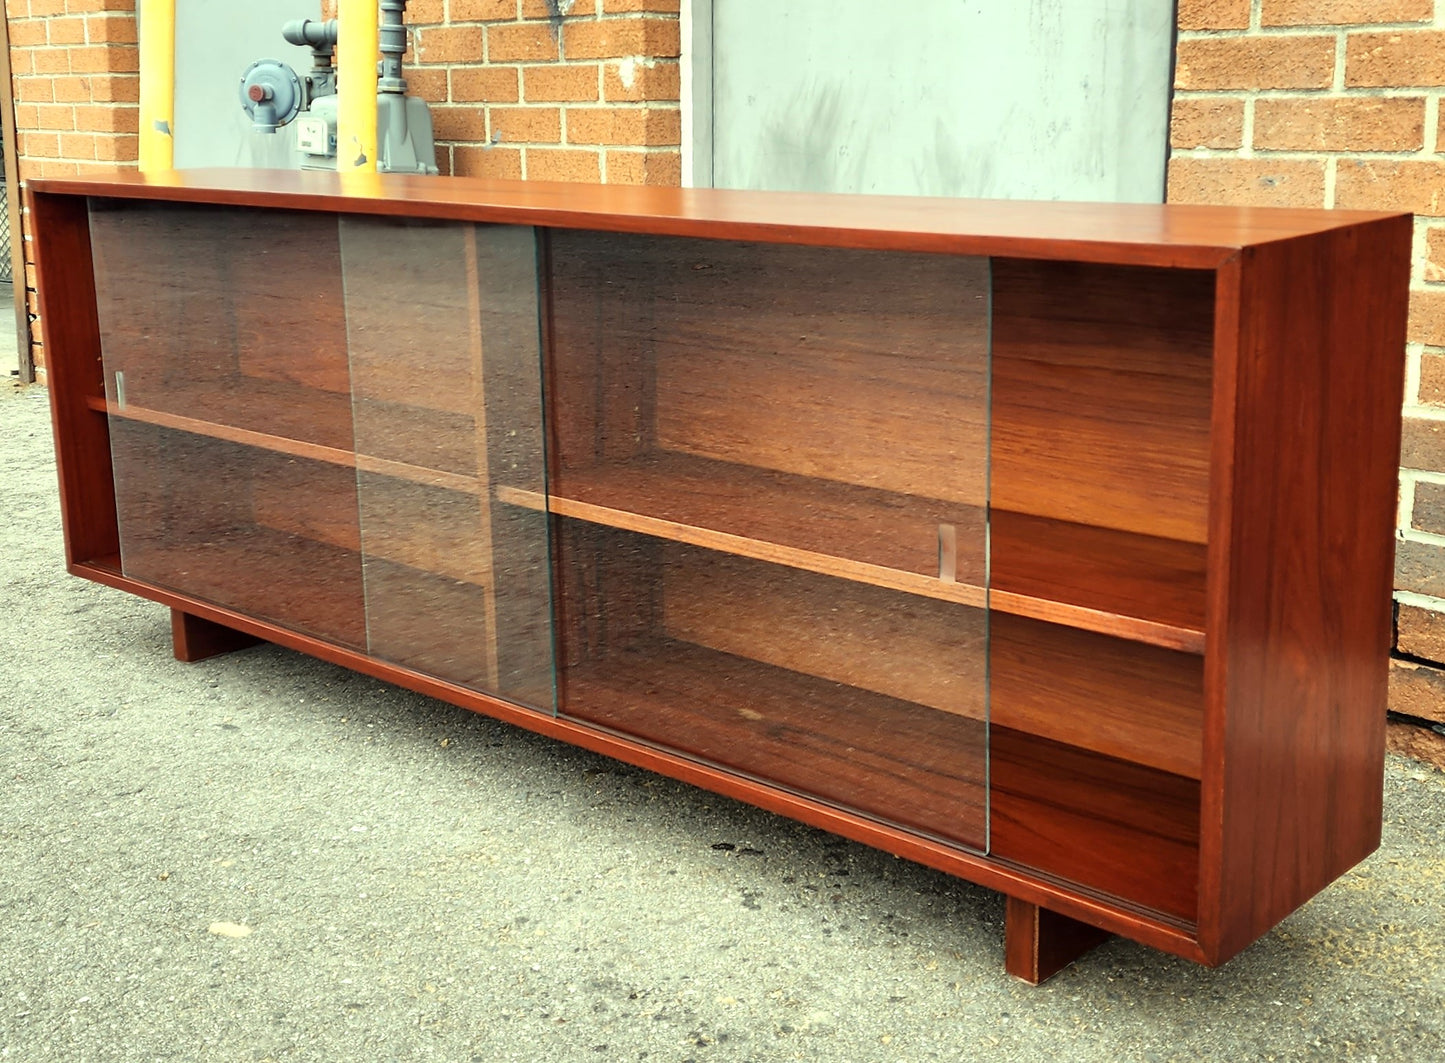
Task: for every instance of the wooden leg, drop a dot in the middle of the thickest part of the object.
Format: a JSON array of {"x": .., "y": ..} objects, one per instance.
[
  {"x": 195, "y": 639},
  {"x": 1038, "y": 943}
]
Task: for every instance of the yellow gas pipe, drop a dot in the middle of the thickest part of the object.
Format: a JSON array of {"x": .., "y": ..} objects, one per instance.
[
  {"x": 357, "y": 48},
  {"x": 157, "y": 84}
]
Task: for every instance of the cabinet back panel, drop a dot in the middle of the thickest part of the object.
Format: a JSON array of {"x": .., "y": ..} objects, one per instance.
[
  {"x": 413, "y": 313},
  {"x": 1113, "y": 827},
  {"x": 1101, "y": 395},
  {"x": 204, "y": 293},
  {"x": 427, "y": 438},
  {"x": 295, "y": 500},
  {"x": 1119, "y": 698},
  {"x": 429, "y": 622},
  {"x": 915, "y": 649},
  {"x": 864, "y": 367},
  {"x": 628, "y": 664},
  {"x": 187, "y": 518},
  {"x": 428, "y": 528},
  {"x": 1123, "y": 699}
]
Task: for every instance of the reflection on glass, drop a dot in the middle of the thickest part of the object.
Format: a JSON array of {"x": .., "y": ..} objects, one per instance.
[
  {"x": 445, "y": 369},
  {"x": 770, "y": 474},
  {"x": 224, "y": 349}
]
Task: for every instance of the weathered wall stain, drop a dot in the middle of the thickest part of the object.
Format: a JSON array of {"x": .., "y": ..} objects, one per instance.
[
  {"x": 557, "y": 12},
  {"x": 1049, "y": 99}
]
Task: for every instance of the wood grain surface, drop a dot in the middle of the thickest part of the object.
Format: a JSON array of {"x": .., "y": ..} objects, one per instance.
[
  {"x": 1097, "y": 579},
  {"x": 1119, "y": 829},
  {"x": 1113, "y": 696},
  {"x": 922, "y": 650},
  {"x": 1195, "y": 430},
  {"x": 1038, "y": 943},
  {"x": 865, "y": 367},
  {"x": 75, "y": 375},
  {"x": 1307, "y": 408},
  {"x": 1182, "y": 236},
  {"x": 1101, "y": 389},
  {"x": 893, "y": 760},
  {"x": 195, "y": 639}
]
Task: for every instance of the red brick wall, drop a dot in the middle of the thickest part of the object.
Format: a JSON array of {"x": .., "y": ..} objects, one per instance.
[
  {"x": 1337, "y": 103},
  {"x": 557, "y": 90},
  {"x": 75, "y": 82}
]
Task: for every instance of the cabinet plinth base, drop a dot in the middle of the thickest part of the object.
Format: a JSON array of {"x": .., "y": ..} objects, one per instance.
[
  {"x": 1038, "y": 943},
  {"x": 195, "y": 639}
]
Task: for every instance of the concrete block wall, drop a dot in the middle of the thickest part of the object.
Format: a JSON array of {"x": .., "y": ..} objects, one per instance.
[{"x": 1337, "y": 103}]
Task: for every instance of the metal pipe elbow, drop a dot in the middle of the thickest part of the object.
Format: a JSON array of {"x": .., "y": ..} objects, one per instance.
[{"x": 309, "y": 33}]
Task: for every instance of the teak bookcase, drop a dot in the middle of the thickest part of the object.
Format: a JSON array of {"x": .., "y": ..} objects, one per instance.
[{"x": 1049, "y": 545}]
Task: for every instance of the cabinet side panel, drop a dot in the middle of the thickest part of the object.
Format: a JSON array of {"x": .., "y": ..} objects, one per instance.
[
  {"x": 1300, "y": 625},
  {"x": 66, "y": 286}
]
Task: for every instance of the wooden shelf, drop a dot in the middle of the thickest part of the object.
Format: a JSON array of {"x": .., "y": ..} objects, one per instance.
[
  {"x": 258, "y": 405},
  {"x": 898, "y": 761},
  {"x": 1097, "y": 579},
  {"x": 292, "y": 445},
  {"x": 302, "y": 584},
  {"x": 920, "y": 768},
  {"x": 1116, "y": 583},
  {"x": 1119, "y": 583},
  {"x": 1124, "y": 829}
]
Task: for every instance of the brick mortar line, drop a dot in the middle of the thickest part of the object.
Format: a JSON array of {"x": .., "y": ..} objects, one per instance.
[
  {"x": 655, "y": 149},
  {"x": 523, "y": 20},
  {"x": 1307, "y": 154},
  {"x": 1422, "y": 413},
  {"x": 1349, "y": 92},
  {"x": 1416, "y": 535},
  {"x": 1317, "y": 30},
  {"x": 565, "y": 105},
  {"x": 1434, "y": 480},
  {"x": 658, "y": 149},
  {"x": 1413, "y": 369}
]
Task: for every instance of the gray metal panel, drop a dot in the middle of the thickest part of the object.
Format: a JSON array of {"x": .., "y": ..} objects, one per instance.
[
  {"x": 1019, "y": 99},
  {"x": 215, "y": 43}
]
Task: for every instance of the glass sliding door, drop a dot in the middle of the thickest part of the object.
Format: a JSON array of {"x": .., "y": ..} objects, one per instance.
[
  {"x": 770, "y": 482},
  {"x": 223, "y": 338},
  {"x": 444, "y": 344}
]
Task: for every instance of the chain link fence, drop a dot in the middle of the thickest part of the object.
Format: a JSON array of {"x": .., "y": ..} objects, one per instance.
[{"x": 6, "y": 270}]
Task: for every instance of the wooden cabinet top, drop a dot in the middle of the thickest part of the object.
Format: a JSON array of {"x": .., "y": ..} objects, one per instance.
[{"x": 1199, "y": 237}]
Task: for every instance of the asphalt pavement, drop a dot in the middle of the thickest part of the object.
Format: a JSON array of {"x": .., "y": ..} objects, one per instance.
[{"x": 265, "y": 857}]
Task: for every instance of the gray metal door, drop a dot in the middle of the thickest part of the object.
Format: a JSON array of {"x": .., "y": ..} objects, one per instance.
[
  {"x": 1018, "y": 99},
  {"x": 215, "y": 43}
]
